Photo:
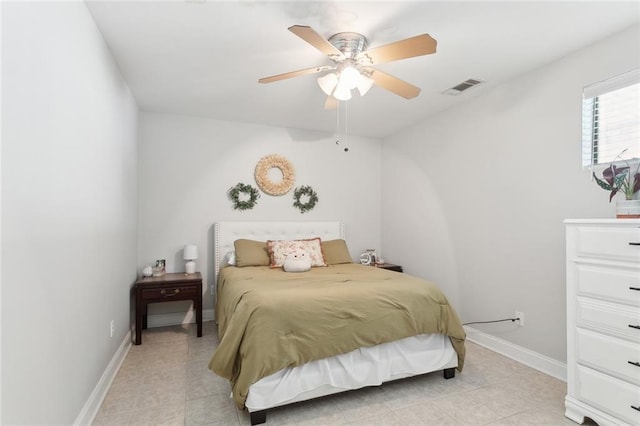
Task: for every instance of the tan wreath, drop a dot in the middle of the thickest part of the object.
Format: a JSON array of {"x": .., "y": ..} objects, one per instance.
[{"x": 262, "y": 174}]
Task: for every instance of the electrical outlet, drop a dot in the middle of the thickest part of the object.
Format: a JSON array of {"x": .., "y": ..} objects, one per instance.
[
  {"x": 520, "y": 318},
  {"x": 112, "y": 327}
]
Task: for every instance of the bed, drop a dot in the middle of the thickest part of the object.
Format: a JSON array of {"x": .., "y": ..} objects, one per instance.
[{"x": 290, "y": 337}]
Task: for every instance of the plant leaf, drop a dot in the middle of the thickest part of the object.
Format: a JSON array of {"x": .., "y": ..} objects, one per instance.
[
  {"x": 620, "y": 178},
  {"x": 612, "y": 172},
  {"x": 608, "y": 174},
  {"x": 604, "y": 185}
]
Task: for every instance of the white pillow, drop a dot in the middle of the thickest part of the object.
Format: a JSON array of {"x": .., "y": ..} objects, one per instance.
[
  {"x": 297, "y": 261},
  {"x": 231, "y": 258}
]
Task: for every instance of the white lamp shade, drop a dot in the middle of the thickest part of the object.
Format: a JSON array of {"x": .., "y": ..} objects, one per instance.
[
  {"x": 342, "y": 93},
  {"x": 364, "y": 84},
  {"x": 328, "y": 82},
  {"x": 349, "y": 77},
  {"x": 190, "y": 252}
]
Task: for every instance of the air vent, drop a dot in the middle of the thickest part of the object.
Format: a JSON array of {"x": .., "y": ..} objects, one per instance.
[{"x": 465, "y": 85}]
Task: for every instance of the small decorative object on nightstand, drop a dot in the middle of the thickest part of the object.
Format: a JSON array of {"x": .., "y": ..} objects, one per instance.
[
  {"x": 190, "y": 254},
  {"x": 159, "y": 269},
  {"x": 368, "y": 257},
  {"x": 147, "y": 271}
]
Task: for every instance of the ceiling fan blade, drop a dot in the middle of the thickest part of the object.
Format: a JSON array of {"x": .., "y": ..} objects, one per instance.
[
  {"x": 292, "y": 74},
  {"x": 309, "y": 35},
  {"x": 408, "y": 48},
  {"x": 394, "y": 84},
  {"x": 330, "y": 103}
]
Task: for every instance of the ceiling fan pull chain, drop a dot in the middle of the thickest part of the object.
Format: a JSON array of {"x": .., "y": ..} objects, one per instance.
[
  {"x": 346, "y": 122},
  {"x": 346, "y": 148},
  {"x": 338, "y": 124}
]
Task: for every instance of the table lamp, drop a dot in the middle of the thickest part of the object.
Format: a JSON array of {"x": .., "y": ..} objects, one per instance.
[{"x": 190, "y": 254}]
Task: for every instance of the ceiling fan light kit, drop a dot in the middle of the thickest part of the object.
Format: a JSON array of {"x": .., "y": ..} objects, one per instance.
[
  {"x": 340, "y": 85},
  {"x": 354, "y": 63}
]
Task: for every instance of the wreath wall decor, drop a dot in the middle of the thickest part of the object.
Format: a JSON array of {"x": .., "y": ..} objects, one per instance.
[
  {"x": 244, "y": 204},
  {"x": 261, "y": 174},
  {"x": 304, "y": 191}
]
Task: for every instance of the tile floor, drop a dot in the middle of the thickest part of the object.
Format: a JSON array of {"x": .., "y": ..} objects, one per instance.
[{"x": 165, "y": 381}]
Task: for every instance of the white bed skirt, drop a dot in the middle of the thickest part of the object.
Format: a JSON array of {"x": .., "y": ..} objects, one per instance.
[{"x": 370, "y": 366}]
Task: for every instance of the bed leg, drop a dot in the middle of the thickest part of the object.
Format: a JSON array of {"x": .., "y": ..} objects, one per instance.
[
  {"x": 449, "y": 373},
  {"x": 258, "y": 417}
]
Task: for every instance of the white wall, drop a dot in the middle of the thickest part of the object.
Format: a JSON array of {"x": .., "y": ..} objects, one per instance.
[
  {"x": 484, "y": 189},
  {"x": 1, "y": 134},
  {"x": 69, "y": 212},
  {"x": 187, "y": 164}
]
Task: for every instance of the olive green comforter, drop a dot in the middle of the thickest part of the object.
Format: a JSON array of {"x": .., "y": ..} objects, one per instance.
[{"x": 269, "y": 319}]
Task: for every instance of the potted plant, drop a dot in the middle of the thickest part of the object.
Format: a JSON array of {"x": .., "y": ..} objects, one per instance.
[{"x": 622, "y": 179}]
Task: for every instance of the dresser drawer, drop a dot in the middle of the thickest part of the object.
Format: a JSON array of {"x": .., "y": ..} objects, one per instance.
[
  {"x": 174, "y": 292},
  {"x": 611, "y": 395},
  {"x": 609, "y": 318},
  {"x": 609, "y": 243},
  {"x": 616, "y": 284},
  {"x": 609, "y": 355}
]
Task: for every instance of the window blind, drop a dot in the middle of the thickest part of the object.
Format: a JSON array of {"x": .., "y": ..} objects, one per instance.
[{"x": 611, "y": 120}]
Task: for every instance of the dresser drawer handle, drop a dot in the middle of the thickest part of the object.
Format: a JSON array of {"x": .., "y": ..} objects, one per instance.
[
  {"x": 634, "y": 326},
  {"x": 635, "y": 408},
  {"x": 177, "y": 290},
  {"x": 636, "y": 363},
  {"x": 634, "y": 288}
]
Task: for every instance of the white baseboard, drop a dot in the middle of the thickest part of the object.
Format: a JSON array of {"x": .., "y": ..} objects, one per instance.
[
  {"x": 523, "y": 355},
  {"x": 175, "y": 318},
  {"x": 91, "y": 407}
]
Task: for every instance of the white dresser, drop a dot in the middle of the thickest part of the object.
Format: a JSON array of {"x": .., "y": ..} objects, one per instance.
[{"x": 603, "y": 321}]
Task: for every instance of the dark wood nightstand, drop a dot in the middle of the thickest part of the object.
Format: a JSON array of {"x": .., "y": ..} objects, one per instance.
[
  {"x": 167, "y": 288},
  {"x": 389, "y": 266}
]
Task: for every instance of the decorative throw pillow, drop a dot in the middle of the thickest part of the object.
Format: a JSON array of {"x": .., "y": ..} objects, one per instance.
[
  {"x": 251, "y": 253},
  {"x": 336, "y": 252},
  {"x": 280, "y": 249},
  {"x": 298, "y": 261}
]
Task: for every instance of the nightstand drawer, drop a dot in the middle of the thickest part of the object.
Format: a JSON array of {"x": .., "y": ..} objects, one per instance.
[
  {"x": 609, "y": 355},
  {"x": 169, "y": 292}
]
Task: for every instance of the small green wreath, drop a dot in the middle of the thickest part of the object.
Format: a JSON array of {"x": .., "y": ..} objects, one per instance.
[
  {"x": 307, "y": 191},
  {"x": 250, "y": 191}
]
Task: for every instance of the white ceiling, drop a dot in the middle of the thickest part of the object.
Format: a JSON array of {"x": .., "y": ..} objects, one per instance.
[{"x": 204, "y": 58}]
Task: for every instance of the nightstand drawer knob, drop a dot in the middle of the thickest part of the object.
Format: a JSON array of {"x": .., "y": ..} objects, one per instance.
[
  {"x": 176, "y": 291},
  {"x": 636, "y": 363}
]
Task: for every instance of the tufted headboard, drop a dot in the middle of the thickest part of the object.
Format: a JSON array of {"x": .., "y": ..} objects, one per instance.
[{"x": 225, "y": 233}]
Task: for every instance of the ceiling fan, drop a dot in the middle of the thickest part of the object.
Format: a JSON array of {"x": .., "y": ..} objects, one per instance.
[{"x": 354, "y": 63}]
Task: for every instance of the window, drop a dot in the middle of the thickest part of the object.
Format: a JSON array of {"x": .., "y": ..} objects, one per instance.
[{"x": 611, "y": 120}]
